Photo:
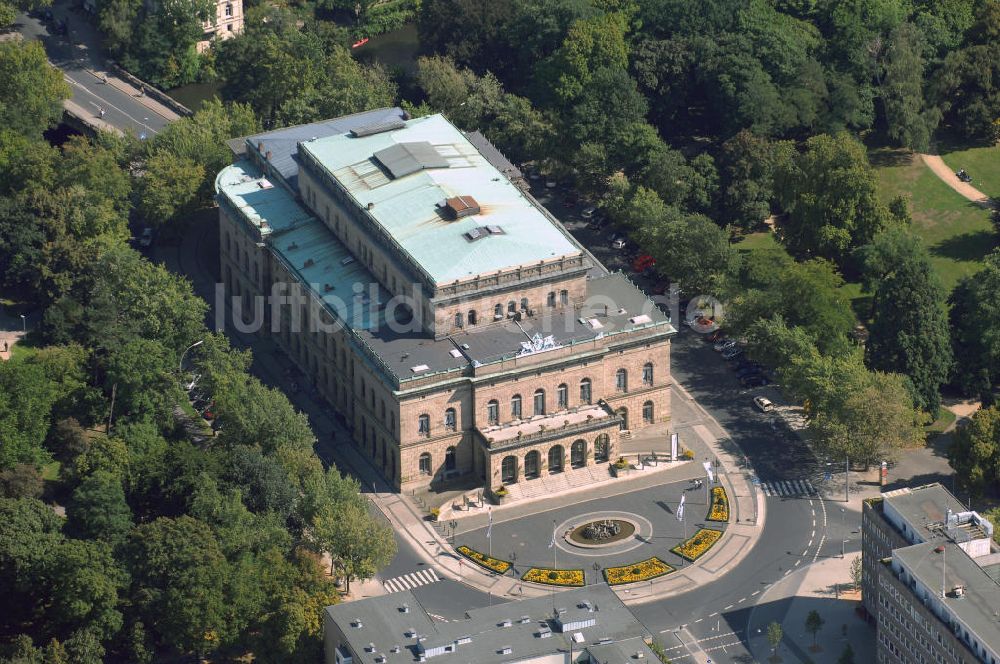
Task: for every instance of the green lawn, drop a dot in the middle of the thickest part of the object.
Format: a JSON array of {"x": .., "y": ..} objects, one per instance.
[
  {"x": 24, "y": 348},
  {"x": 957, "y": 233},
  {"x": 944, "y": 420},
  {"x": 983, "y": 164}
]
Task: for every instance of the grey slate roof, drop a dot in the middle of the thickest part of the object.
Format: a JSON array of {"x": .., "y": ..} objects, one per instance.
[
  {"x": 490, "y": 630},
  {"x": 283, "y": 143}
]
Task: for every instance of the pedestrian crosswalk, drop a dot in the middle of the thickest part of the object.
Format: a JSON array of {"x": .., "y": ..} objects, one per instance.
[
  {"x": 411, "y": 580},
  {"x": 789, "y": 488}
]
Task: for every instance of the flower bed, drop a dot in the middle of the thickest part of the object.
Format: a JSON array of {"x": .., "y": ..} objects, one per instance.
[
  {"x": 695, "y": 547},
  {"x": 720, "y": 505},
  {"x": 484, "y": 561},
  {"x": 554, "y": 577},
  {"x": 643, "y": 570}
]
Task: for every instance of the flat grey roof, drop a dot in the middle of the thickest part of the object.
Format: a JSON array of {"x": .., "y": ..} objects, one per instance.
[
  {"x": 626, "y": 305},
  {"x": 384, "y": 625},
  {"x": 283, "y": 143},
  {"x": 982, "y": 594},
  {"x": 923, "y": 506}
]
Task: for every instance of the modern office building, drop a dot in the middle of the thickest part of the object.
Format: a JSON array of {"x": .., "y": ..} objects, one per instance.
[
  {"x": 584, "y": 625},
  {"x": 930, "y": 579},
  {"x": 456, "y": 326}
]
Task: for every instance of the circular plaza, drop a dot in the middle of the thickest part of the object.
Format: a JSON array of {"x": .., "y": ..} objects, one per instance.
[{"x": 619, "y": 539}]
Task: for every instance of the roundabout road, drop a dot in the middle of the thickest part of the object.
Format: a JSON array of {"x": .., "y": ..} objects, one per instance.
[{"x": 711, "y": 619}]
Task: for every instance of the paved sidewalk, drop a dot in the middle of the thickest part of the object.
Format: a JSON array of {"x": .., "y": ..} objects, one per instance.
[
  {"x": 946, "y": 175},
  {"x": 824, "y": 587}
]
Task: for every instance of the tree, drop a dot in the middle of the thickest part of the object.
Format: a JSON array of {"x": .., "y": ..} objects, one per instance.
[
  {"x": 358, "y": 544},
  {"x": 847, "y": 655},
  {"x": 866, "y": 416},
  {"x": 31, "y": 90},
  {"x": 253, "y": 414},
  {"x": 774, "y": 636},
  {"x": 814, "y": 623},
  {"x": 26, "y": 400},
  {"x": 98, "y": 509},
  {"x": 830, "y": 194},
  {"x": 908, "y": 122},
  {"x": 592, "y": 44},
  {"x": 857, "y": 572},
  {"x": 67, "y": 440},
  {"x": 746, "y": 171},
  {"x": 975, "y": 451},
  {"x": 21, "y": 481},
  {"x": 179, "y": 579},
  {"x": 688, "y": 248},
  {"x": 170, "y": 187},
  {"x": 909, "y": 331},
  {"x": 975, "y": 325}
]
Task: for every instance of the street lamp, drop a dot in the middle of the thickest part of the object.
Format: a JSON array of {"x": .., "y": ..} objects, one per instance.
[
  {"x": 24, "y": 323},
  {"x": 842, "y": 527}
]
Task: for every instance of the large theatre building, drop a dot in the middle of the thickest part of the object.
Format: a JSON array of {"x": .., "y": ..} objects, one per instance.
[{"x": 452, "y": 322}]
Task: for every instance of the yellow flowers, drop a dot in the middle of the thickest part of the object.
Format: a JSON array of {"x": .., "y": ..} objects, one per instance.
[
  {"x": 720, "y": 505},
  {"x": 554, "y": 577},
  {"x": 695, "y": 547},
  {"x": 484, "y": 561},
  {"x": 643, "y": 570}
]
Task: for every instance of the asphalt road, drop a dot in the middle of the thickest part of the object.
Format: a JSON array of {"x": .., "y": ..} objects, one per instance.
[{"x": 77, "y": 56}]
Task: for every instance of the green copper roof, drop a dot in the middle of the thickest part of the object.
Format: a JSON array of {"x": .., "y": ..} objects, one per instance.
[{"x": 408, "y": 206}]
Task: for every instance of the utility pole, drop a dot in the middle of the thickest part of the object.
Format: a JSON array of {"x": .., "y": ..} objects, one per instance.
[
  {"x": 111, "y": 411},
  {"x": 847, "y": 478}
]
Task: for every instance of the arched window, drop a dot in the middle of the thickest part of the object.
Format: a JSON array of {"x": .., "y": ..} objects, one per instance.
[
  {"x": 508, "y": 470},
  {"x": 621, "y": 380},
  {"x": 449, "y": 419},
  {"x": 493, "y": 412},
  {"x": 556, "y": 453},
  {"x": 539, "y": 402},
  {"x": 564, "y": 296},
  {"x": 551, "y": 300},
  {"x": 623, "y": 413},
  {"x": 585, "y": 391},
  {"x": 458, "y": 320},
  {"x": 647, "y": 412},
  {"x": 562, "y": 396},
  {"x": 472, "y": 317},
  {"x": 449, "y": 458},
  {"x": 512, "y": 307},
  {"x": 532, "y": 465},
  {"x": 524, "y": 304},
  {"x": 602, "y": 448},
  {"x": 498, "y": 311},
  {"x": 647, "y": 373},
  {"x": 515, "y": 406},
  {"x": 425, "y": 463},
  {"x": 578, "y": 454},
  {"x": 424, "y": 425}
]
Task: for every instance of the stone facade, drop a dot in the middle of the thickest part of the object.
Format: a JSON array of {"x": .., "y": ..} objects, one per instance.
[
  {"x": 458, "y": 424},
  {"x": 228, "y": 22}
]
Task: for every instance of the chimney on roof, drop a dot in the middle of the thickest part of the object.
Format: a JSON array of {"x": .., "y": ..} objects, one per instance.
[
  {"x": 371, "y": 206},
  {"x": 267, "y": 155},
  {"x": 461, "y": 206}
]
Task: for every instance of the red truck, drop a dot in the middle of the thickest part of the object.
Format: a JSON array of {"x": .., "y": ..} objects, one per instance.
[{"x": 643, "y": 262}]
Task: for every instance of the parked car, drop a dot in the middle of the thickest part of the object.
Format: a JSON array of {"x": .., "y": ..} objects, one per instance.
[
  {"x": 747, "y": 371},
  {"x": 754, "y": 380},
  {"x": 723, "y": 345},
  {"x": 550, "y": 184},
  {"x": 588, "y": 212},
  {"x": 146, "y": 239},
  {"x": 763, "y": 404},
  {"x": 618, "y": 243},
  {"x": 643, "y": 262},
  {"x": 732, "y": 353}
]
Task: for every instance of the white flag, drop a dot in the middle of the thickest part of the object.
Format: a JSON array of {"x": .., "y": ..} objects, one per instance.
[
  {"x": 708, "y": 470},
  {"x": 680, "y": 508},
  {"x": 489, "y": 528},
  {"x": 552, "y": 542}
]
